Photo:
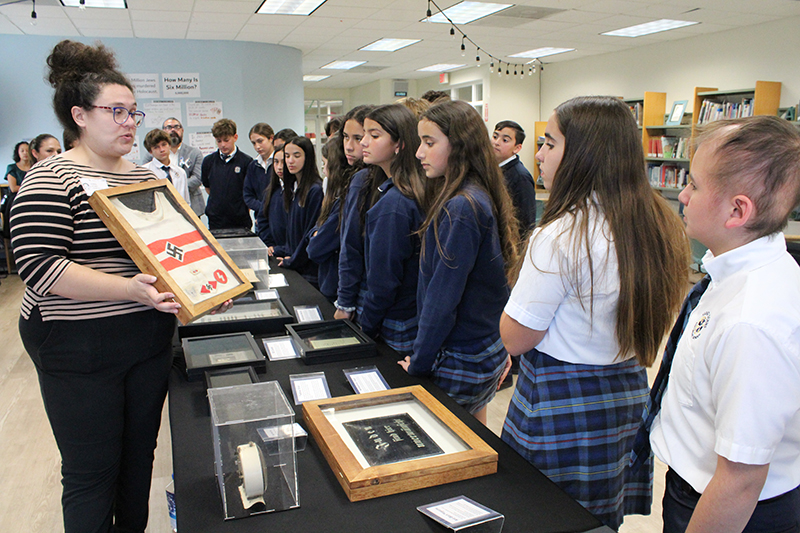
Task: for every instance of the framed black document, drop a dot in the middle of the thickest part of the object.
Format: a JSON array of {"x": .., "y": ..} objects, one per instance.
[
  {"x": 259, "y": 317},
  {"x": 393, "y": 441},
  {"x": 221, "y": 351}
]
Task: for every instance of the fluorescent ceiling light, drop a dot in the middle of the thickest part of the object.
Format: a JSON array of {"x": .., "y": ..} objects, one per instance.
[
  {"x": 389, "y": 45},
  {"x": 542, "y": 52},
  {"x": 113, "y": 4},
  {"x": 441, "y": 67},
  {"x": 344, "y": 65},
  {"x": 649, "y": 27},
  {"x": 289, "y": 7},
  {"x": 466, "y": 12},
  {"x": 309, "y": 77}
]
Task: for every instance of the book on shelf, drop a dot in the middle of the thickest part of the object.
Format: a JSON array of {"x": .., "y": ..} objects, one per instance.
[
  {"x": 636, "y": 109},
  {"x": 711, "y": 111},
  {"x": 666, "y": 175},
  {"x": 668, "y": 147}
]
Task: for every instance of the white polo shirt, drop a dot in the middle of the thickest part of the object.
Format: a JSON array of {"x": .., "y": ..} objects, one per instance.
[
  {"x": 734, "y": 386},
  {"x": 177, "y": 174},
  {"x": 545, "y": 298}
]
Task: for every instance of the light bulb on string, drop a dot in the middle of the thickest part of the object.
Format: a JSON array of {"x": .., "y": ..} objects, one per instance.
[
  {"x": 521, "y": 72},
  {"x": 491, "y": 67},
  {"x": 82, "y": 5},
  {"x": 34, "y": 16},
  {"x": 428, "y": 15},
  {"x": 530, "y": 71},
  {"x": 452, "y": 33},
  {"x": 463, "y": 48},
  {"x": 478, "y": 57}
]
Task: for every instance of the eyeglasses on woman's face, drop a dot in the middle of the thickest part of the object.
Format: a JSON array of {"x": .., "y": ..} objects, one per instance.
[{"x": 121, "y": 114}]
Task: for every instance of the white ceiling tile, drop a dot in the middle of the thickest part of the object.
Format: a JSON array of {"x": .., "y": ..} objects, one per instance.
[
  {"x": 210, "y": 35},
  {"x": 220, "y": 18},
  {"x": 162, "y": 29},
  {"x": 99, "y": 33},
  {"x": 161, "y": 16},
  {"x": 157, "y": 5},
  {"x": 226, "y": 6},
  {"x": 8, "y": 27}
]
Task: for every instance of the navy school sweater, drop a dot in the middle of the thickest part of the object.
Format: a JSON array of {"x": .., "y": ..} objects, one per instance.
[
  {"x": 391, "y": 254},
  {"x": 323, "y": 249},
  {"x": 461, "y": 292},
  {"x": 299, "y": 222},
  {"x": 226, "y": 207},
  {"x": 351, "y": 253}
]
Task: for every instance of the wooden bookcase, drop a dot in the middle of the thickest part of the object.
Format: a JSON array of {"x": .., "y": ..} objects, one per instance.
[
  {"x": 766, "y": 99},
  {"x": 538, "y": 132}
]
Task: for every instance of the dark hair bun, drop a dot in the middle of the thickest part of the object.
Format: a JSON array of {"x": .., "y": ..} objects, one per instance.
[{"x": 71, "y": 60}]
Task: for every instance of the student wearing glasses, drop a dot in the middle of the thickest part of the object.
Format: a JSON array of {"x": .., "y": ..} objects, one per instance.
[{"x": 97, "y": 330}]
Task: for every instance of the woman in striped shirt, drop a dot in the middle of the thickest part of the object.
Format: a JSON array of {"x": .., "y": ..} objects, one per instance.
[{"x": 97, "y": 330}]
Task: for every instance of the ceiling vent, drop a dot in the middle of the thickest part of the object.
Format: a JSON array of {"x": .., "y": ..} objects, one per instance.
[{"x": 516, "y": 16}]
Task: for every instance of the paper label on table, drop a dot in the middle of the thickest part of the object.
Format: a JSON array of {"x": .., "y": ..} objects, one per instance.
[
  {"x": 367, "y": 382},
  {"x": 277, "y": 280},
  {"x": 250, "y": 274},
  {"x": 308, "y": 314},
  {"x": 280, "y": 349},
  {"x": 228, "y": 357},
  {"x": 266, "y": 294},
  {"x": 310, "y": 389},
  {"x": 458, "y": 511}
]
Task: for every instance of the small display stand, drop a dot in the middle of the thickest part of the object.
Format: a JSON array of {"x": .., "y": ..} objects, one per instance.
[
  {"x": 221, "y": 351},
  {"x": 365, "y": 379},
  {"x": 309, "y": 387},
  {"x": 464, "y": 515},
  {"x": 279, "y": 348},
  {"x": 258, "y": 317},
  {"x": 249, "y": 252},
  {"x": 331, "y": 340},
  {"x": 393, "y": 441},
  {"x": 253, "y": 478}
]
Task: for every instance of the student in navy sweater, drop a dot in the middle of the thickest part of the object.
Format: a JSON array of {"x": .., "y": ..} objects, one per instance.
[
  {"x": 271, "y": 219},
  {"x": 323, "y": 244},
  {"x": 469, "y": 238},
  {"x": 223, "y": 177},
  {"x": 256, "y": 179},
  {"x": 351, "y": 253},
  {"x": 302, "y": 200},
  {"x": 391, "y": 242}
]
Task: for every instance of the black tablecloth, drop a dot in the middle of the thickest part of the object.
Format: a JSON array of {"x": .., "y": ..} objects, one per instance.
[{"x": 529, "y": 501}]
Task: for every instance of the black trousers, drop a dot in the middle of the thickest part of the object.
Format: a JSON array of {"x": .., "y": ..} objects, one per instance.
[
  {"x": 780, "y": 514},
  {"x": 103, "y": 382}
]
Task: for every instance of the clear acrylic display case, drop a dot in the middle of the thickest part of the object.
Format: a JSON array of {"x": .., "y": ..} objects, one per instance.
[
  {"x": 249, "y": 252},
  {"x": 255, "y": 475}
]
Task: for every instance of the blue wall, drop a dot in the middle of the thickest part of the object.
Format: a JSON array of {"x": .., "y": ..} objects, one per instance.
[{"x": 255, "y": 82}]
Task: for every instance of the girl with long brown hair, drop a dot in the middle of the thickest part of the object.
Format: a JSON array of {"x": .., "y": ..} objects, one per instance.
[
  {"x": 599, "y": 284},
  {"x": 391, "y": 242},
  {"x": 468, "y": 244}
]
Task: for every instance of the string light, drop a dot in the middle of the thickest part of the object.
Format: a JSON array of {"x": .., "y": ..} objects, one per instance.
[
  {"x": 518, "y": 69},
  {"x": 34, "y": 16},
  {"x": 82, "y": 5}
]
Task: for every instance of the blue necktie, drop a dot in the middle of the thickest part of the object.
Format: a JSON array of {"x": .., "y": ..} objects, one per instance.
[
  {"x": 165, "y": 168},
  {"x": 641, "y": 444}
]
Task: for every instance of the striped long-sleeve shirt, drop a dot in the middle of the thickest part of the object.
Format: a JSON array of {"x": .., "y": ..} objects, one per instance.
[{"x": 53, "y": 226}]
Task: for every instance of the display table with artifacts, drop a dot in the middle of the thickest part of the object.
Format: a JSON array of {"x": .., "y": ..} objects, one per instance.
[{"x": 453, "y": 454}]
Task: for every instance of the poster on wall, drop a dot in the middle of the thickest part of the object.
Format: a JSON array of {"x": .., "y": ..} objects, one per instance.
[
  {"x": 181, "y": 85},
  {"x": 203, "y": 112},
  {"x": 145, "y": 85},
  {"x": 157, "y": 111},
  {"x": 135, "y": 154},
  {"x": 203, "y": 141}
]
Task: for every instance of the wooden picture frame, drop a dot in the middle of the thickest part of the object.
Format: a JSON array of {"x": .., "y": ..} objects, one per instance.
[
  {"x": 192, "y": 265},
  {"x": 676, "y": 114},
  {"x": 463, "y": 454}
]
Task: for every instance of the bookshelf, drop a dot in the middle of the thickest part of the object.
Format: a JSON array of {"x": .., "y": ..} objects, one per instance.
[{"x": 764, "y": 98}]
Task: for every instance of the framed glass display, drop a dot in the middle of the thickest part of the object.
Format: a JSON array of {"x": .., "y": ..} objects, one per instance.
[
  {"x": 330, "y": 340},
  {"x": 463, "y": 514},
  {"x": 393, "y": 441},
  {"x": 221, "y": 351},
  {"x": 230, "y": 377},
  {"x": 258, "y": 317},
  {"x": 676, "y": 115},
  {"x": 165, "y": 239}
]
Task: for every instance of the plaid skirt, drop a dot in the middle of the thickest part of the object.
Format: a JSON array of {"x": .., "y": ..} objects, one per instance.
[
  {"x": 400, "y": 334},
  {"x": 470, "y": 374},
  {"x": 576, "y": 423}
]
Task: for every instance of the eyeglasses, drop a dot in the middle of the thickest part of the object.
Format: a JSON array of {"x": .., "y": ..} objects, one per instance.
[
  {"x": 168, "y": 128},
  {"x": 121, "y": 114}
]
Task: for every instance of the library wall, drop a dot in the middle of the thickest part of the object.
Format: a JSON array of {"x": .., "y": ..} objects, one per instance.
[
  {"x": 732, "y": 59},
  {"x": 255, "y": 82}
]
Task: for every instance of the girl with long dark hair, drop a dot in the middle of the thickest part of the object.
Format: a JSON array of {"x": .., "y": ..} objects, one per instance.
[
  {"x": 599, "y": 285},
  {"x": 468, "y": 245}
]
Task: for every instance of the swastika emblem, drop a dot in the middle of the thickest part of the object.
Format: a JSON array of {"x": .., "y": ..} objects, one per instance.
[{"x": 174, "y": 251}]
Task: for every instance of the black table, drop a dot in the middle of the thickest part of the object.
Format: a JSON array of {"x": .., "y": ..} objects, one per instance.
[{"x": 527, "y": 498}]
